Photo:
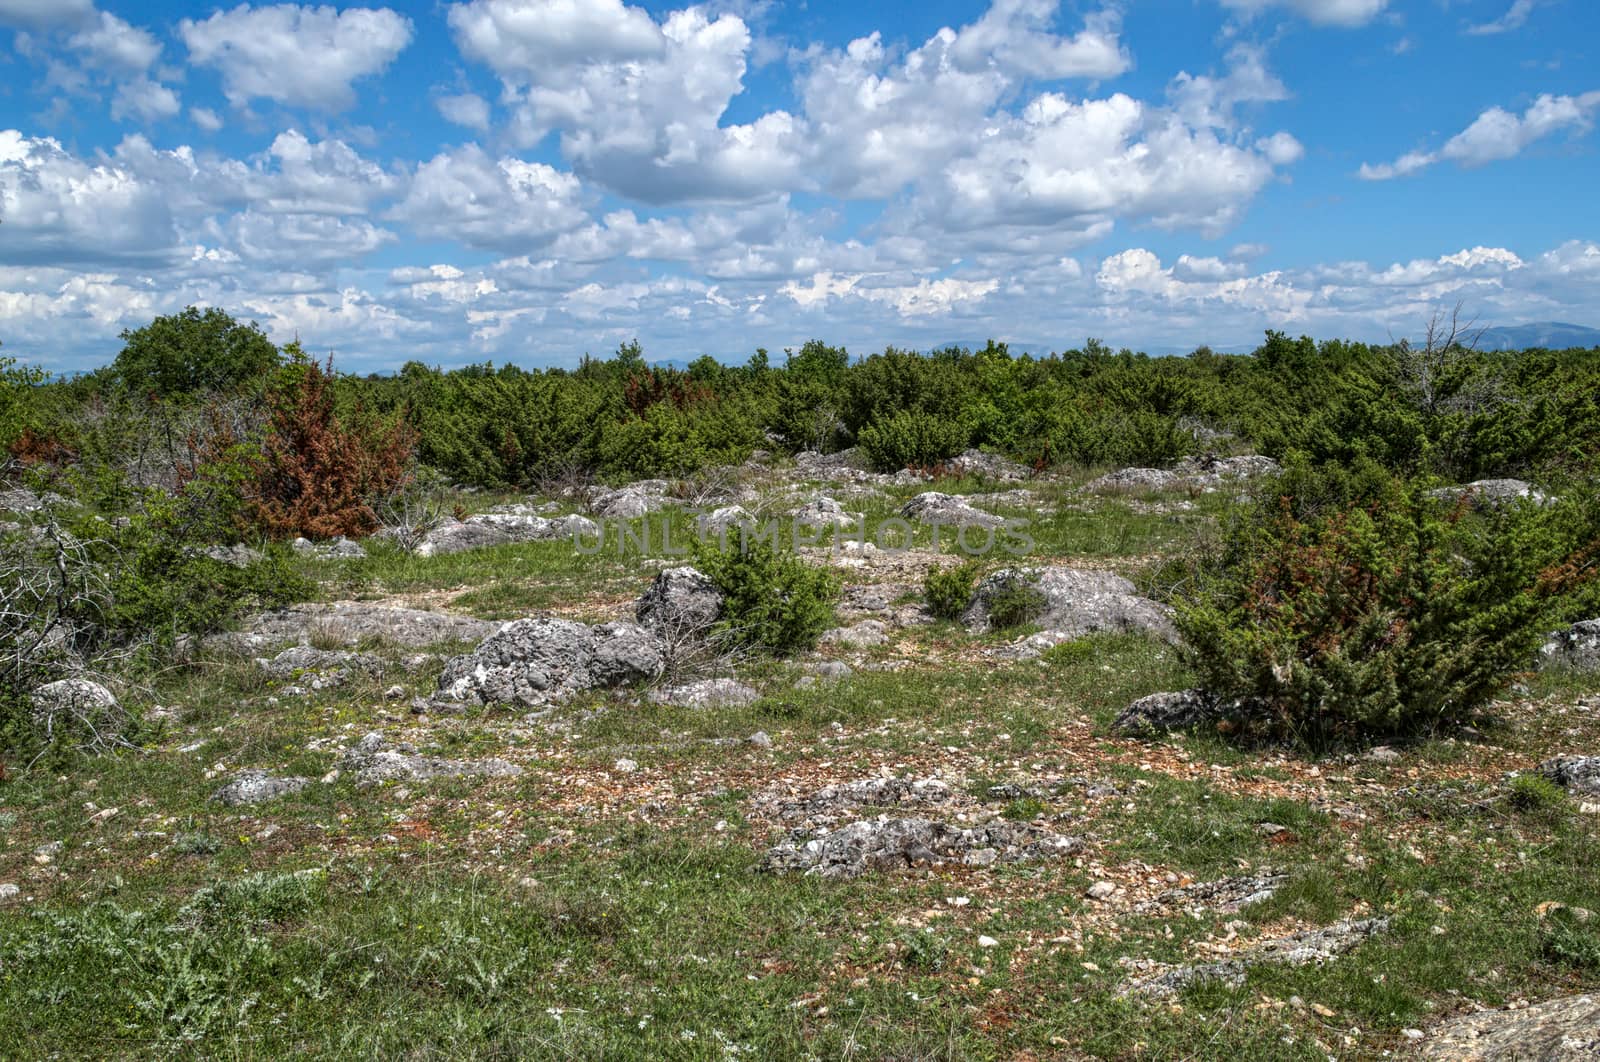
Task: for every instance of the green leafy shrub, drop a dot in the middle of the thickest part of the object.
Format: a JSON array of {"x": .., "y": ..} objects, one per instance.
[
  {"x": 949, "y": 590},
  {"x": 1013, "y": 603},
  {"x": 1567, "y": 938},
  {"x": 774, "y": 600},
  {"x": 1383, "y": 614},
  {"x": 912, "y": 439},
  {"x": 1534, "y": 792}
]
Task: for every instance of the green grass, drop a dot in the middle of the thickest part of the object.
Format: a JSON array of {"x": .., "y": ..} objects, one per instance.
[{"x": 583, "y": 911}]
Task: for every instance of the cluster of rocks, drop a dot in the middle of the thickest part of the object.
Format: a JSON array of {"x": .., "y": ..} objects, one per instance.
[
  {"x": 373, "y": 760},
  {"x": 1313, "y": 946},
  {"x": 1072, "y": 603},
  {"x": 1492, "y": 493},
  {"x": 257, "y": 786},
  {"x": 1581, "y": 774},
  {"x": 887, "y": 843},
  {"x": 1205, "y": 474},
  {"x": 320, "y": 669}
]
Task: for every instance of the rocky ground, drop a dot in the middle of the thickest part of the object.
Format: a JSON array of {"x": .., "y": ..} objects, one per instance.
[{"x": 488, "y": 799}]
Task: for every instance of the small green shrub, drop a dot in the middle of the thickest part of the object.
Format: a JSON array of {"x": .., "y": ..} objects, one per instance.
[
  {"x": 1013, "y": 603},
  {"x": 1569, "y": 939},
  {"x": 1024, "y": 809},
  {"x": 1535, "y": 792},
  {"x": 949, "y": 590},
  {"x": 774, "y": 600},
  {"x": 912, "y": 439}
]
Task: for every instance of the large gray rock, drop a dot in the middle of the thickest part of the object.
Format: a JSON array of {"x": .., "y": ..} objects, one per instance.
[
  {"x": 1074, "y": 603},
  {"x": 1581, "y": 774},
  {"x": 256, "y": 786},
  {"x": 707, "y": 693},
  {"x": 511, "y": 523},
  {"x": 236, "y": 556},
  {"x": 1211, "y": 471},
  {"x": 636, "y": 499},
  {"x": 78, "y": 709},
  {"x": 350, "y": 623},
  {"x": 536, "y": 661},
  {"x": 1557, "y": 1030},
  {"x": 680, "y": 601},
  {"x": 1575, "y": 649},
  {"x": 947, "y": 510},
  {"x": 373, "y": 760},
  {"x": 1162, "y": 713},
  {"x": 458, "y": 536},
  {"x": 894, "y": 844}
]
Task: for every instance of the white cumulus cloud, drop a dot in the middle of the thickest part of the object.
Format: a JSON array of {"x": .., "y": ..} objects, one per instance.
[
  {"x": 1497, "y": 134},
  {"x": 300, "y": 56}
]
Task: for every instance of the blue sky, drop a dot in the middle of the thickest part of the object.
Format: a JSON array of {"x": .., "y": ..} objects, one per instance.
[{"x": 530, "y": 180}]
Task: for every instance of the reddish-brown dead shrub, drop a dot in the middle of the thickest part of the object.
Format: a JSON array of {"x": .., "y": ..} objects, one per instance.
[{"x": 317, "y": 471}]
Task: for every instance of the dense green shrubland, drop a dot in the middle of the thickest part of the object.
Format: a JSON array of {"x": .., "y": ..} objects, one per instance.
[
  {"x": 1451, "y": 412},
  {"x": 1348, "y": 600}
]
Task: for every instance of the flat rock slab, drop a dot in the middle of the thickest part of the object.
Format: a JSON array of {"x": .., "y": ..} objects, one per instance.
[
  {"x": 1314, "y": 946},
  {"x": 299, "y": 659},
  {"x": 256, "y": 786},
  {"x": 1227, "y": 895},
  {"x": 1557, "y": 1030},
  {"x": 898, "y": 843},
  {"x": 373, "y": 760},
  {"x": 707, "y": 693},
  {"x": 350, "y": 623},
  {"x": 949, "y": 510}
]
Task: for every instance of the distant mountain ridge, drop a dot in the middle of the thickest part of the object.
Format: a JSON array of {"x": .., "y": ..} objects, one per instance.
[{"x": 1553, "y": 335}]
